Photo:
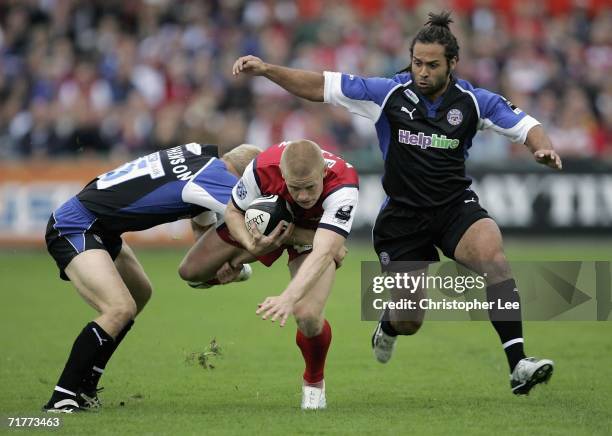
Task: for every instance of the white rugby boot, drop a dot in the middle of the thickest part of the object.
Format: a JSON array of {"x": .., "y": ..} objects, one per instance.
[
  {"x": 382, "y": 344},
  {"x": 529, "y": 372},
  {"x": 313, "y": 398}
]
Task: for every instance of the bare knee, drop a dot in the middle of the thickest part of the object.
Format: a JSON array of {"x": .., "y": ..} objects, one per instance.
[
  {"x": 186, "y": 272},
  {"x": 120, "y": 313},
  {"x": 190, "y": 272},
  {"x": 308, "y": 322},
  {"x": 407, "y": 327},
  {"x": 496, "y": 267}
]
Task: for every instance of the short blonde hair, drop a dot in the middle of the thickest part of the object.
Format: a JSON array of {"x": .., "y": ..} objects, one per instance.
[
  {"x": 239, "y": 157},
  {"x": 301, "y": 158}
]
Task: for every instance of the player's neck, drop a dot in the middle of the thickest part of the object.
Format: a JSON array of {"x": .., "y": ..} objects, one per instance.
[{"x": 433, "y": 97}]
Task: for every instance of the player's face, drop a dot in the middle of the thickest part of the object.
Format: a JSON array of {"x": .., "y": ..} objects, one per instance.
[
  {"x": 305, "y": 190},
  {"x": 430, "y": 70}
]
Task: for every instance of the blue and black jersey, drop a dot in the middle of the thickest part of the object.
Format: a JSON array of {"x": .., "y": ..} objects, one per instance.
[
  {"x": 180, "y": 182},
  {"x": 425, "y": 144}
]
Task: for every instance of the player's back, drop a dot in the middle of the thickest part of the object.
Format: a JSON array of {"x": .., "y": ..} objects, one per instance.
[{"x": 149, "y": 190}]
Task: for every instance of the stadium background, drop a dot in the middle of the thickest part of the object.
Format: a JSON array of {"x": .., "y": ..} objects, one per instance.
[{"x": 85, "y": 85}]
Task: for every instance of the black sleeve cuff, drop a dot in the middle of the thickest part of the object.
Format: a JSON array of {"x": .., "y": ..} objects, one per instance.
[{"x": 338, "y": 230}]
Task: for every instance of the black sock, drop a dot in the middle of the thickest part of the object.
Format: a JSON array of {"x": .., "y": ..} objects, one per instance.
[
  {"x": 507, "y": 323},
  {"x": 88, "y": 343},
  {"x": 90, "y": 382},
  {"x": 385, "y": 324}
]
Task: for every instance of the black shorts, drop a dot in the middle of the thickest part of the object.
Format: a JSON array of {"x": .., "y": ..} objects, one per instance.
[
  {"x": 407, "y": 234},
  {"x": 71, "y": 230}
]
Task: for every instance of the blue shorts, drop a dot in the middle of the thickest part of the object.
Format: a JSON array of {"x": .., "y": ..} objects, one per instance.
[{"x": 72, "y": 229}]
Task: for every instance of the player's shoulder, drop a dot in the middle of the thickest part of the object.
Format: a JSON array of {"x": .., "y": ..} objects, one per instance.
[
  {"x": 270, "y": 157},
  {"x": 482, "y": 96},
  {"x": 402, "y": 78},
  {"x": 339, "y": 172}
]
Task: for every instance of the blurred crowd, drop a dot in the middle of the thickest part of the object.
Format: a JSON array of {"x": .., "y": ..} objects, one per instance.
[{"x": 117, "y": 77}]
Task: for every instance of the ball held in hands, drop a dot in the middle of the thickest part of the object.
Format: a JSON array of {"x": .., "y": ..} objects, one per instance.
[{"x": 266, "y": 212}]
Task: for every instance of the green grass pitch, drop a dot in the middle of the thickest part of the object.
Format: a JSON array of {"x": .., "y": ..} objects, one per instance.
[{"x": 451, "y": 378}]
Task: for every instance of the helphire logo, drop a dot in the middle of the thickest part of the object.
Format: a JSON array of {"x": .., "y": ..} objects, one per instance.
[{"x": 425, "y": 141}]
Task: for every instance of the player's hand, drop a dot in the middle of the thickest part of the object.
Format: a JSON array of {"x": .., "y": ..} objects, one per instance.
[
  {"x": 249, "y": 64},
  {"x": 261, "y": 244},
  {"x": 550, "y": 158},
  {"x": 227, "y": 274},
  {"x": 340, "y": 255},
  {"x": 276, "y": 308}
]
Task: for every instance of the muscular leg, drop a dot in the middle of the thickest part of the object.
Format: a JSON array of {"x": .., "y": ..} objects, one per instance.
[
  {"x": 97, "y": 280},
  {"x": 140, "y": 289},
  {"x": 314, "y": 333},
  {"x": 480, "y": 249},
  {"x": 398, "y": 322}
]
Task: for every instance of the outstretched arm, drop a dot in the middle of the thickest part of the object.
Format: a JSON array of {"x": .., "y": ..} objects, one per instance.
[
  {"x": 539, "y": 144},
  {"x": 301, "y": 83},
  {"x": 326, "y": 244}
]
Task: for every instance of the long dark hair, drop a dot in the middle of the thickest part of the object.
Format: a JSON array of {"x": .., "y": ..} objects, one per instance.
[{"x": 437, "y": 30}]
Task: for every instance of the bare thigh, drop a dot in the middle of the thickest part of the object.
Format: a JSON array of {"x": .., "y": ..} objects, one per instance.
[{"x": 206, "y": 256}]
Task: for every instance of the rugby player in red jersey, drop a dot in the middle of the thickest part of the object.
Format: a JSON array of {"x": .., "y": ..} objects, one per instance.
[{"x": 322, "y": 192}]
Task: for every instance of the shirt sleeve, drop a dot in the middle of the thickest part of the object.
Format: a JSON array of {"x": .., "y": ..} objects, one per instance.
[
  {"x": 363, "y": 96},
  {"x": 247, "y": 189},
  {"x": 503, "y": 117},
  {"x": 210, "y": 187},
  {"x": 339, "y": 210}
]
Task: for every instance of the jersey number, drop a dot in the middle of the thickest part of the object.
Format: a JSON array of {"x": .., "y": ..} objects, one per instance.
[{"x": 149, "y": 165}]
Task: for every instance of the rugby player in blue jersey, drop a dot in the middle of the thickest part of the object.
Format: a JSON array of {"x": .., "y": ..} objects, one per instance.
[
  {"x": 426, "y": 119},
  {"x": 84, "y": 237}
]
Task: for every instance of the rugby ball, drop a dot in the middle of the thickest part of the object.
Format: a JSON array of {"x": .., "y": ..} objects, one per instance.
[{"x": 266, "y": 212}]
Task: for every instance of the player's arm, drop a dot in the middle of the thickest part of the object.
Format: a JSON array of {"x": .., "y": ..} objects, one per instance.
[
  {"x": 335, "y": 225},
  {"x": 301, "y": 83},
  {"x": 256, "y": 243},
  {"x": 541, "y": 147},
  {"x": 505, "y": 118},
  {"x": 326, "y": 243},
  {"x": 325, "y": 246},
  {"x": 360, "y": 95}
]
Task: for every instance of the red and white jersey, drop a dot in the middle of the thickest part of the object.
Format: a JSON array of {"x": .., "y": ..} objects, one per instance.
[{"x": 335, "y": 209}]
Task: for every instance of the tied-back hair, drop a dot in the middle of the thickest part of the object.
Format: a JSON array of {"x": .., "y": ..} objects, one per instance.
[{"x": 436, "y": 31}]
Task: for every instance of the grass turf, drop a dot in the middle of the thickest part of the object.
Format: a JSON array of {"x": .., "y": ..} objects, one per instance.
[{"x": 451, "y": 378}]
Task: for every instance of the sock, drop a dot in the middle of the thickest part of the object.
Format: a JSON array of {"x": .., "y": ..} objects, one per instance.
[
  {"x": 90, "y": 382},
  {"x": 92, "y": 340},
  {"x": 388, "y": 328},
  {"x": 385, "y": 324},
  {"x": 507, "y": 323},
  {"x": 314, "y": 351}
]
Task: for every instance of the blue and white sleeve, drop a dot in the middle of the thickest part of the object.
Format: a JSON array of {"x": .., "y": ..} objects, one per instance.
[
  {"x": 211, "y": 187},
  {"x": 247, "y": 188},
  {"x": 500, "y": 115},
  {"x": 365, "y": 96}
]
